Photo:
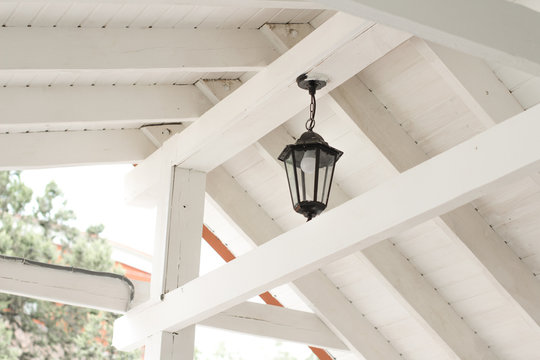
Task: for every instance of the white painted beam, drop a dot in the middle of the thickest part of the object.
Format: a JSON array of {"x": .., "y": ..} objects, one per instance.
[
  {"x": 473, "y": 81},
  {"x": 179, "y": 222},
  {"x": 238, "y": 205},
  {"x": 338, "y": 48},
  {"x": 177, "y": 253},
  {"x": 97, "y": 107},
  {"x": 142, "y": 292},
  {"x": 343, "y": 318},
  {"x": 276, "y": 322},
  {"x": 268, "y": 4},
  {"x": 264, "y": 320},
  {"x": 132, "y": 50},
  {"x": 497, "y": 30},
  {"x": 424, "y": 303},
  {"x": 316, "y": 289},
  {"x": 479, "y": 165},
  {"x": 112, "y": 294},
  {"x": 65, "y": 286},
  {"x": 71, "y": 148},
  {"x": 273, "y": 96}
]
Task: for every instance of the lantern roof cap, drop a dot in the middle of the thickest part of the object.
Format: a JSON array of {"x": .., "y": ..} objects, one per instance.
[{"x": 308, "y": 139}]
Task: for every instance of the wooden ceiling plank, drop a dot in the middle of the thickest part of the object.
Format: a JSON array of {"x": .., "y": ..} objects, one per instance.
[
  {"x": 270, "y": 4},
  {"x": 72, "y": 148},
  {"x": 473, "y": 81},
  {"x": 478, "y": 86},
  {"x": 60, "y": 108},
  {"x": 464, "y": 225}
]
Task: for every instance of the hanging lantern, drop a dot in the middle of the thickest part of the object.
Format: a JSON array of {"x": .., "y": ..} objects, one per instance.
[{"x": 310, "y": 162}]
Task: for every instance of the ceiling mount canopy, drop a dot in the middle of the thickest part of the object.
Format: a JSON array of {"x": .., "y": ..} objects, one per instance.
[{"x": 309, "y": 162}]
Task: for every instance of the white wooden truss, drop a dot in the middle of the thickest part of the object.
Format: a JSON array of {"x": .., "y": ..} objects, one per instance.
[{"x": 202, "y": 96}]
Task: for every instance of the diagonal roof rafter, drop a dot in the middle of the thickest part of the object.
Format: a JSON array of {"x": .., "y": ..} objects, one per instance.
[
  {"x": 316, "y": 289},
  {"x": 272, "y": 95},
  {"x": 464, "y": 225},
  {"x": 432, "y": 188},
  {"x": 463, "y": 25},
  {"x": 411, "y": 290},
  {"x": 222, "y": 250}
]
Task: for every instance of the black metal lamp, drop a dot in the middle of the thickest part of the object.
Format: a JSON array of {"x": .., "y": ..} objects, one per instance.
[{"x": 310, "y": 161}]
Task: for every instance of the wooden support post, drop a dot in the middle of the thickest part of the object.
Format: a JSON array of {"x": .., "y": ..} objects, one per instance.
[{"x": 177, "y": 252}]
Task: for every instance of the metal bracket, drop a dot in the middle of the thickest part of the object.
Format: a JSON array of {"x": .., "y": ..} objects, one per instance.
[
  {"x": 312, "y": 82},
  {"x": 159, "y": 133}
]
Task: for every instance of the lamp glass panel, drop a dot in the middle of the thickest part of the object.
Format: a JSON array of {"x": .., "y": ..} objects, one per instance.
[
  {"x": 325, "y": 178},
  {"x": 291, "y": 169},
  {"x": 305, "y": 167}
]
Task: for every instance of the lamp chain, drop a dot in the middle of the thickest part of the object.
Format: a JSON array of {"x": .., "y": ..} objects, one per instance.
[{"x": 310, "y": 124}]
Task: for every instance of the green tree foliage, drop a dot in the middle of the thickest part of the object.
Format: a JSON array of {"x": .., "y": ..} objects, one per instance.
[{"x": 40, "y": 230}]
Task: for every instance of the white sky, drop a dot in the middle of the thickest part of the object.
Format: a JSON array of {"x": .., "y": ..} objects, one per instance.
[{"x": 95, "y": 194}]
